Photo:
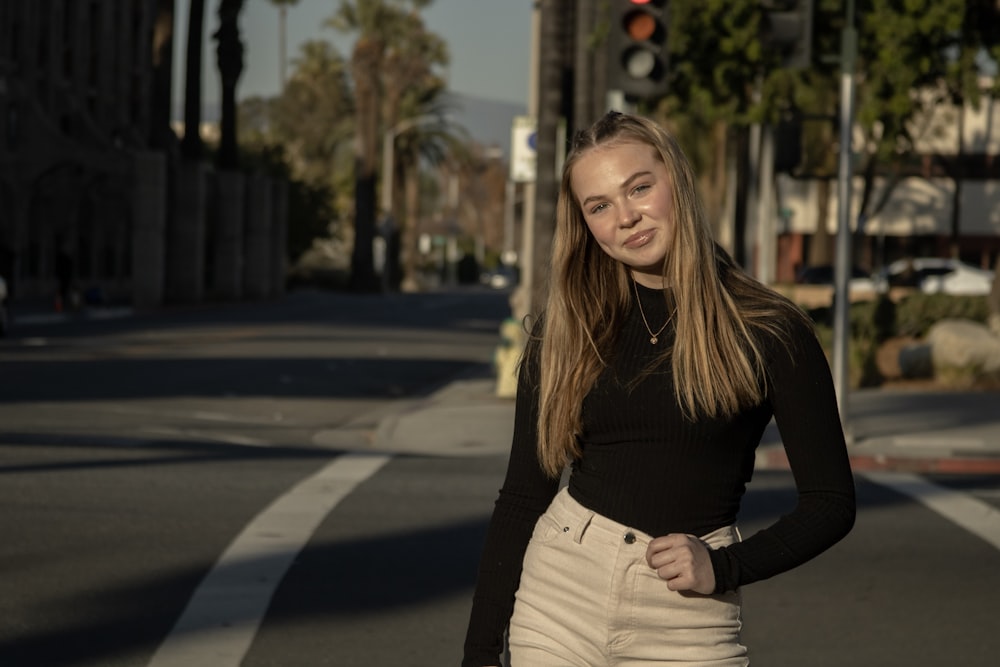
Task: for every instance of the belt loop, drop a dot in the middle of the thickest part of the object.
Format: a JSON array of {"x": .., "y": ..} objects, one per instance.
[{"x": 581, "y": 527}]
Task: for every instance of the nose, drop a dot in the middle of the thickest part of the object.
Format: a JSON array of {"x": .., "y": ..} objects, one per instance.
[{"x": 629, "y": 216}]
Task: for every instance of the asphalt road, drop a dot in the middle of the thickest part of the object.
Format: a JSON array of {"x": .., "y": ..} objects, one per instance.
[{"x": 135, "y": 454}]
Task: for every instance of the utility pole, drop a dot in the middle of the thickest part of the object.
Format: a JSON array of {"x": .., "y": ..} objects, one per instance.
[
  {"x": 521, "y": 301},
  {"x": 842, "y": 268}
]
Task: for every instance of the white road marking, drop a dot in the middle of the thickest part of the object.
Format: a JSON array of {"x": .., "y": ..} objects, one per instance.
[
  {"x": 948, "y": 442},
  {"x": 226, "y": 438},
  {"x": 222, "y": 617},
  {"x": 979, "y": 518},
  {"x": 200, "y": 415}
]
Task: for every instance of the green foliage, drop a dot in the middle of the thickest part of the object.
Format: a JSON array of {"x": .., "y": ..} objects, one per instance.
[
  {"x": 715, "y": 57},
  {"x": 917, "y": 312},
  {"x": 913, "y": 56},
  {"x": 868, "y": 320},
  {"x": 310, "y": 214},
  {"x": 873, "y": 322}
]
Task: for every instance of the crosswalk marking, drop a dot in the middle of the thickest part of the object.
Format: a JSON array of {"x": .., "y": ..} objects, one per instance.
[
  {"x": 219, "y": 623},
  {"x": 979, "y": 518}
]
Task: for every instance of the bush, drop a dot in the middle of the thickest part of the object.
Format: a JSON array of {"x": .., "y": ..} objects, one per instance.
[
  {"x": 873, "y": 322},
  {"x": 917, "y": 312}
]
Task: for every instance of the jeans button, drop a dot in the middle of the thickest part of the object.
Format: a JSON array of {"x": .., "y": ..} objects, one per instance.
[{"x": 629, "y": 537}]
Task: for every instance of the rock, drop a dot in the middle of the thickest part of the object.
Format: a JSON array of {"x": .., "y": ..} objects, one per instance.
[
  {"x": 994, "y": 323},
  {"x": 962, "y": 349}
]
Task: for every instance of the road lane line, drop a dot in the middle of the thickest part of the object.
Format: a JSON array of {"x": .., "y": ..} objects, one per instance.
[
  {"x": 979, "y": 518},
  {"x": 223, "y": 615}
]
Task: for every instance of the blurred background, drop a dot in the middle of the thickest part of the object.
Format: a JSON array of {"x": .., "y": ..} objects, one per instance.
[{"x": 186, "y": 151}]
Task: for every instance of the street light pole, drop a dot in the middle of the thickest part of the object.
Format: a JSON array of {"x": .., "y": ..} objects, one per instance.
[{"x": 842, "y": 268}]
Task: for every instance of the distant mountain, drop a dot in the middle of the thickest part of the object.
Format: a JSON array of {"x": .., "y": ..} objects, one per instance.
[{"x": 488, "y": 122}]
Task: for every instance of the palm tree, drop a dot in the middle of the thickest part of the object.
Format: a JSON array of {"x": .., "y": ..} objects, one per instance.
[
  {"x": 435, "y": 142},
  {"x": 413, "y": 94},
  {"x": 229, "y": 53},
  {"x": 376, "y": 23},
  {"x": 191, "y": 145},
  {"x": 554, "y": 49},
  {"x": 163, "y": 54},
  {"x": 312, "y": 119}
]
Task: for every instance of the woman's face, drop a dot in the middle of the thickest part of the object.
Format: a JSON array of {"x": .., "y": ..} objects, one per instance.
[{"x": 626, "y": 196}]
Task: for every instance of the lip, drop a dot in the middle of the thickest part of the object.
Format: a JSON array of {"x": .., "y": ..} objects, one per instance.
[{"x": 639, "y": 239}]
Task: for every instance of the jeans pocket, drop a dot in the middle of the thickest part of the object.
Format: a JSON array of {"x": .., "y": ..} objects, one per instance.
[{"x": 547, "y": 528}]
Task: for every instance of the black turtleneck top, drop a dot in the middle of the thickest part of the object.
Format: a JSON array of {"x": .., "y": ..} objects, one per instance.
[{"x": 647, "y": 466}]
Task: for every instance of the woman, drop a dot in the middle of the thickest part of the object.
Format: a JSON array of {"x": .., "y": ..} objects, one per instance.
[{"x": 652, "y": 373}]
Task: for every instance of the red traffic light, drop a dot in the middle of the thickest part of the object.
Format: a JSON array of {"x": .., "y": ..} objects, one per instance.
[
  {"x": 638, "y": 48},
  {"x": 640, "y": 26}
]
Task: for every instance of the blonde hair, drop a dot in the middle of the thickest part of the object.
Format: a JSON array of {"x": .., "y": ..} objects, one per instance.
[{"x": 716, "y": 361}]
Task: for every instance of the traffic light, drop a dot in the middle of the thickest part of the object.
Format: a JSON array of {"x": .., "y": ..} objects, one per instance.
[
  {"x": 638, "y": 48},
  {"x": 787, "y": 27}
]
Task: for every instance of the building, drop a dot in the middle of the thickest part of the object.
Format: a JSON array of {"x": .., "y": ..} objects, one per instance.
[
  {"x": 94, "y": 198},
  {"x": 946, "y": 201}
]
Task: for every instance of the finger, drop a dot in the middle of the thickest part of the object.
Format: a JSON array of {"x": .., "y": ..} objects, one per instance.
[
  {"x": 662, "y": 544},
  {"x": 679, "y": 556}
]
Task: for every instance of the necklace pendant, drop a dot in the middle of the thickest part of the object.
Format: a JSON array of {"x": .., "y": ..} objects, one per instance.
[{"x": 653, "y": 340}]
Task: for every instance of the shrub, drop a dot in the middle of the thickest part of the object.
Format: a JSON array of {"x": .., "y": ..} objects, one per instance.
[
  {"x": 873, "y": 322},
  {"x": 916, "y": 312}
]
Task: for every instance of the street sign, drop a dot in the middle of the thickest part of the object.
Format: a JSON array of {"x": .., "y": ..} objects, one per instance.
[{"x": 523, "y": 149}]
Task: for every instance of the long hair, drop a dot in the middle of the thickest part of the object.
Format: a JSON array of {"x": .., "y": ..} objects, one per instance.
[{"x": 716, "y": 360}]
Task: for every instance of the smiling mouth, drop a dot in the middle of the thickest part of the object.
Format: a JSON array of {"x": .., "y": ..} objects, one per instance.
[{"x": 639, "y": 239}]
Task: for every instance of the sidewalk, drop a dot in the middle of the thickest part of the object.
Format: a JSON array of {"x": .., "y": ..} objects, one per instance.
[
  {"x": 38, "y": 312},
  {"x": 887, "y": 429},
  {"x": 912, "y": 431}
]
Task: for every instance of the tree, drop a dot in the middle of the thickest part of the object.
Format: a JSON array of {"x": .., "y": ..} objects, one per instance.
[
  {"x": 191, "y": 145},
  {"x": 413, "y": 94},
  {"x": 717, "y": 67},
  {"x": 434, "y": 142},
  {"x": 161, "y": 135},
  {"x": 229, "y": 55},
  {"x": 555, "y": 37},
  {"x": 722, "y": 72},
  {"x": 313, "y": 116},
  {"x": 307, "y": 128},
  {"x": 376, "y": 23}
]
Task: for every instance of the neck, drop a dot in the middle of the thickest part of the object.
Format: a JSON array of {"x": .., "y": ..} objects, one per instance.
[{"x": 652, "y": 281}]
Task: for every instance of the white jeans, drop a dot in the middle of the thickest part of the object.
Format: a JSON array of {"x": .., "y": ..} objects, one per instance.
[{"x": 588, "y": 598}]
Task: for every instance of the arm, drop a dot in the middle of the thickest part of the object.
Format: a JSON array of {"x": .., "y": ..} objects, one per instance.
[
  {"x": 803, "y": 398},
  {"x": 525, "y": 495}
]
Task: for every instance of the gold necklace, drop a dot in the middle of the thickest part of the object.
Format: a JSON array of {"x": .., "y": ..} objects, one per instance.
[{"x": 654, "y": 338}]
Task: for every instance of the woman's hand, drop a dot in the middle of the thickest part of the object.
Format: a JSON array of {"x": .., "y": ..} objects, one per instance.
[{"x": 683, "y": 562}]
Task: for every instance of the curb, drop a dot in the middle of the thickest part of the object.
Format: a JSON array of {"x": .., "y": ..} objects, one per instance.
[
  {"x": 774, "y": 458},
  {"x": 89, "y": 314}
]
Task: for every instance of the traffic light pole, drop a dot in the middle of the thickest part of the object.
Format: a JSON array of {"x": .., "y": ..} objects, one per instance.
[{"x": 842, "y": 268}]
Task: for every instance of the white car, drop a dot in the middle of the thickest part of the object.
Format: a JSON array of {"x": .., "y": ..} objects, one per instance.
[{"x": 934, "y": 275}]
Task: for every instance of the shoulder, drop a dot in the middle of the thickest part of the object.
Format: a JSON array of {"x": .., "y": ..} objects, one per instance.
[{"x": 786, "y": 331}]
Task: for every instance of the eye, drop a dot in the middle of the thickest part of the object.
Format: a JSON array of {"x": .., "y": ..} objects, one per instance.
[
  {"x": 639, "y": 189},
  {"x": 598, "y": 208}
]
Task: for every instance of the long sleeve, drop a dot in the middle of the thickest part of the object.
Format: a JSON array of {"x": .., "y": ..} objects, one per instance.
[
  {"x": 524, "y": 496},
  {"x": 645, "y": 463},
  {"x": 804, "y": 404}
]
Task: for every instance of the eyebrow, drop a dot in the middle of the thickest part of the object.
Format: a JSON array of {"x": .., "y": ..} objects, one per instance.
[{"x": 637, "y": 175}]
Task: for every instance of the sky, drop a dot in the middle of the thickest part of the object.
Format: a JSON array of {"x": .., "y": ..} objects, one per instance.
[{"x": 488, "y": 40}]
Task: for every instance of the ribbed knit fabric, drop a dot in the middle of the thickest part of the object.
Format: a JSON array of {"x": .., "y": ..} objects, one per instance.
[{"x": 645, "y": 465}]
